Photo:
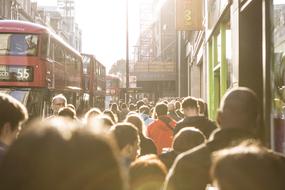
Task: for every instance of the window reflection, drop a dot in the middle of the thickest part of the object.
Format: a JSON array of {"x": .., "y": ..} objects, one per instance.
[
  {"x": 278, "y": 74},
  {"x": 18, "y": 44}
]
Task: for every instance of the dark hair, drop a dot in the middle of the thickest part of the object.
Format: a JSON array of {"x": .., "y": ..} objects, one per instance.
[
  {"x": 67, "y": 112},
  {"x": 248, "y": 167},
  {"x": 124, "y": 133},
  {"x": 52, "y": 156},
  {"x": 11, "y": 111},
  {"x": 114, "y": 108},
  {"x": 190, "y": 102},
  {"x": 139, "y": 104},
  {"x": 147, "y": 172},
  {"x": 136, "y": 121},
  {"x": 110, "y": 114},
  {"x": 144, "y": 109},
  {"x": 161, "y": 109},
  {"x": 177, "y": 105},
  {"x": 132, "y": 107},
  {"x": 123, "y": 105},
  {"x": 92, "y": 113},
  {"x": 71, "y": 106},
  {"x": 100, "y": 122},
  {"x": 187, "y": 138}
]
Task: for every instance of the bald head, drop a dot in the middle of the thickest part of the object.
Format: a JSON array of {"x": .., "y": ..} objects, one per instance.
[{"x": 239, "y": 109}]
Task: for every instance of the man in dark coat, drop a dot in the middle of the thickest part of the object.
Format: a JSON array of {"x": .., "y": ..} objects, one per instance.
[
  {"x": 237, "y": 119},
  {"x": 193, "y": 119}
]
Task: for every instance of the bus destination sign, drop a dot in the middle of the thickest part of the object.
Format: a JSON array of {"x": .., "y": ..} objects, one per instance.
[{"x": 16, "y": 73}]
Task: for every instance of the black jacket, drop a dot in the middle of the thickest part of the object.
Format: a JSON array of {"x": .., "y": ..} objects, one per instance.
[
  {"x": 190, "y": 170},
  {"x": 199, "y": 122},
  {"x": 147, "y": 145}
]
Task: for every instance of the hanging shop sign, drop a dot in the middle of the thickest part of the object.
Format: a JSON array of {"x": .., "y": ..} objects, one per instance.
[
  {"x": 215, "y": 10},
  {"x": 189, "y": 15}
]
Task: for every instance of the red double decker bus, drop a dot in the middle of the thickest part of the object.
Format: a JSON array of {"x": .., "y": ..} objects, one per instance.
[
  {"x": 35, "y": 64},
  {"x": 94, "y": 81}
]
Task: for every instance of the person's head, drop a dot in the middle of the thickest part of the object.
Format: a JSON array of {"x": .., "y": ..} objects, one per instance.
[
  {"x": 177, "y": 105},
  {"x": 202, "y": 106},
  {"x": 67, "y": 112},
  {"x": 161, "y": 109},
  {"x": 248, "y": 167},
  {"x": 127, "y": 138},
  {"x": 132, "y": 107},
  {"x": 91, "y": 114},
  {"x": 110, "y": 114},
  {"x": 187, "y": 138},
  {"x": 136, "y": 121},
  {"x": 238, "y": 109},
  {"x": 171, "y": 106},
  {"x": 100, "y": 122},
  {"x": 139, "y": 104},
  {"x": 147, "y": 172},
  {"x": 12, "y": 114},
  {"x": 190, "y": 106},
  {"x": 57, "y": 154},
  {"x": 58, "y": 102},
  {"x": 145, "y": 101},
  {"x": 114, "y": 108},
  {"x": 124, "y": 106},
  {"x": 144, "y": 110},
  {"x": 71, "y": 106}
]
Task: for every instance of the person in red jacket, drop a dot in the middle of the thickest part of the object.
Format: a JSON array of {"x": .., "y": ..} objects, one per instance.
[{"x": 161, "y": 130}]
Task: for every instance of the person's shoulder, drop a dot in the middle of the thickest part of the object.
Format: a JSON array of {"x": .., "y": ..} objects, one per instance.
[{"x": 194, "y": 155}]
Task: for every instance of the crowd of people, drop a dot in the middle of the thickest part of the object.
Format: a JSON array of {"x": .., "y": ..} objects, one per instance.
[{"x": 171, "y": 145}]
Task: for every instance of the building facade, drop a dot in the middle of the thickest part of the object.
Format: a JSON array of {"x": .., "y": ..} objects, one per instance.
[
  {"x": 241, "y": 44},
  {"x": 61, "y": 20},
  {"x": 155, "y": 68}
]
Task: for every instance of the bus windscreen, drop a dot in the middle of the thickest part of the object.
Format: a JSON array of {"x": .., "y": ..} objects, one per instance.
[{"x": 18, "y": 44}]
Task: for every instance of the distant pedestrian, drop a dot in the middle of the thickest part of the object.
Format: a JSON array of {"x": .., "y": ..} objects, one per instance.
[
  {"x": 171, "y": 111},
  {"x": 178, "y": 109},
  {"x": 124, "y": 112},
  {"x": 115, "y": 110},
  {"x": 67, "y": 112},
  {"x": 58, "y": 101},
  {"x": 190, "y": 108},
  {"x": 127, "y": 138},
  {"x": 110, "y": 114},
  {"x": 12, "y": 115},
  {"x": 144, "y": 112},
  {"x": 237, "y": 119},
  {"x": 146, "y": 144},
  {"x": 161, "y": 130},
  {"x": 91, "y": 114}
]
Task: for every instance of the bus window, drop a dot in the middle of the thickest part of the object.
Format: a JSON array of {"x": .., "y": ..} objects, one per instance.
[
  {"x": 44, "y": 46},
  {"x": 18, "y": 44},
  {"x": 59, "y": 54}
]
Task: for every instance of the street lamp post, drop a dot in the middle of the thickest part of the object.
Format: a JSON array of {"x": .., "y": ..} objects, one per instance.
[{"x": 127, "y": 51}]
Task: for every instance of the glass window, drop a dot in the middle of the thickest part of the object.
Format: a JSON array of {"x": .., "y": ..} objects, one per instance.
[
  {"x": 278, "y": 75},
  {"x": 18, "y": 44},
  {"x": 86, "y": 65},
  {"x": 44, "y": 45},
  {"x": 59, "y": 53}
]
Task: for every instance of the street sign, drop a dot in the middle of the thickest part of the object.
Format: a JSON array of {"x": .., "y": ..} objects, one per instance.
[{"x": 189, "y": 15}]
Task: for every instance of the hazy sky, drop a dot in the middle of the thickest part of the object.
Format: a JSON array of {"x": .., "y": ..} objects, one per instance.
[{"x": 103, "y": 24}]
